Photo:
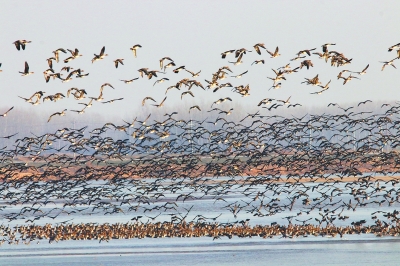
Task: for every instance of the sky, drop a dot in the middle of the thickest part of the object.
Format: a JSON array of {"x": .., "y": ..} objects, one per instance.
[{"x": 194, "y": 34}]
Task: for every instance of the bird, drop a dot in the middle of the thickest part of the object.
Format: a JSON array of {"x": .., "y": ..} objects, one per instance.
[
  {"x": 106, "y": 84},
  {"x": 326, "y": 85},
  {"x": 118, "y": 61},
  {"x": 194, "y": 107},
  {"x": 224, "y": 54},
  {"x": 20, "y": 44},
  {"x": 113, "y": 100},
  {"x": 240, "y": 75},
  {"x": 26, "y": 70},
  {"x": 170, "y": 64},
  {"x": 128, "y": 81},
  {"x": 306, "y": 63},
  {"x": 388, "y": 63},
  {"x": 396, "y": 46},
  {"x": 161, "y": 104},
  {"x": 176, "y": 70},
  {"x": 306, "y": 52},
  {"x": 194, "y": 75},
  {"x": 363, "y": 71},
  {"x": 5, "y": 114},
  {"x": 238, "y": 61},
  {"x": 62, "y": 113},
  {"x": 134, "y": 49},
  {"x": 325, "y": 47},
  {"x": 294, "y": 105},
  {"x": 265, "y": 101},
  {"x": 147, "y": 98},
  {"x": 160, "y": 81},
  {"x": 258, "y": 62},
  {"x": 56, "y": 53},
  {"x": 364, "y": 102},
  {"x": 99, "y": 56},
  {"x": 285, "y": 101},
  {"x": 221, "y": 100},
  {"x": 74, "y": 54},
  {"x": 162, "y": 61},
  {"x": 274, "y": 54},
  {"x": 348, "y": 79},
  {"x": 187, "y": 92},
  {"x": 50, "y": 62},
  {"x": 257, "y": 47}
]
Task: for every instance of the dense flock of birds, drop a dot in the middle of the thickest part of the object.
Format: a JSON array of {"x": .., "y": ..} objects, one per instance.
[{"x": 309, "y": 171}]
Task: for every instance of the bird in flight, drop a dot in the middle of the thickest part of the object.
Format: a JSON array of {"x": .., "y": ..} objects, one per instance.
[
  {"x": 274, "y": 54},
  {"x": 5, "y": 114},
  {"x": 100, "y": 56},
  {"x": 118, "y": 61},
  {"x": 26, "y": 70},
  {"x": 134, "y": 49},
  {"x": 62, "y": 113},
  {"x": 20, "y": 44}
]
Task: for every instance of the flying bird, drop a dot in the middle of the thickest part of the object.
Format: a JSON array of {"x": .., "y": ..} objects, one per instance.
[
  {"x": 26, "y": 70},
  {"x": 134, "y": 49},
  {"x": 62, "y": 113},
  {"x": 5, "y": 114}
]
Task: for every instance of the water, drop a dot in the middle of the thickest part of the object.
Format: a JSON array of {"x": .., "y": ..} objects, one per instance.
[
  {"x": 349, "y": 250},
  {"x": 353, "y": 250}
]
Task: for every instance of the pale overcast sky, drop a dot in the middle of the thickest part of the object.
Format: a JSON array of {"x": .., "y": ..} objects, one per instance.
[{"x": 194, "y": 34}]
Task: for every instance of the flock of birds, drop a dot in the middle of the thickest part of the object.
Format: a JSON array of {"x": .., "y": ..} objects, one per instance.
[
  {"x": 214, "y": 84},
  {"x": 311, "y": 171}
]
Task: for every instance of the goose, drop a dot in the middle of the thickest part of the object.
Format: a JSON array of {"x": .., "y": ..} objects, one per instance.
[
  {"x": 56, "y": 53},
  {"x": 194, "y": 75},
  {"x": 134, "y": 48},
  {"x": 258, "y": 62},
  {"x": 240, "y": 75},
  {"x": 363, "y": 71},
  {"x": 306, "y": 63},
  {"x": 307, "y": 51},
  {"x": 20, "y": 44},
  {"x": 162, "y": 61},
  {"x": 186, "y": 92},
  {"x": 50, "y": 61},
  {"x": 62, "y": 113},
  {"x": 129, "y": 80},
  {"x": 257, "y": 47},
  {"x": 5, "y": 114},
  {"x": 161, "y": 104},
  {"x": 118, "y": 61},
  {"x": 26, "y": 70},
  {"x": 285, "y": 102},
  {"x": 393, "y": 47},
  {"x": 325, "y": 47},
  {"x": 265, "y": 101},
  {"x": 100, "y": 56},
  {"x": 274, "y": 54},
  {"x": 75, "y": 53},
  {"x": 160, "y": 81},
  {"x": 238, "y": 61},
  {"x": 348, "y": 79},
  {"x": 113, "y": 100},
  {"x": 176, "y": 70},
  {"x": 221, "y": 100},
  {"x": 170, "y": 64},
  {"x": 388, "y": 63},
  {"x": 147, "y": 98},
  {"x": 224, "y": 54},
  {"x": 194, "y": 107}
]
